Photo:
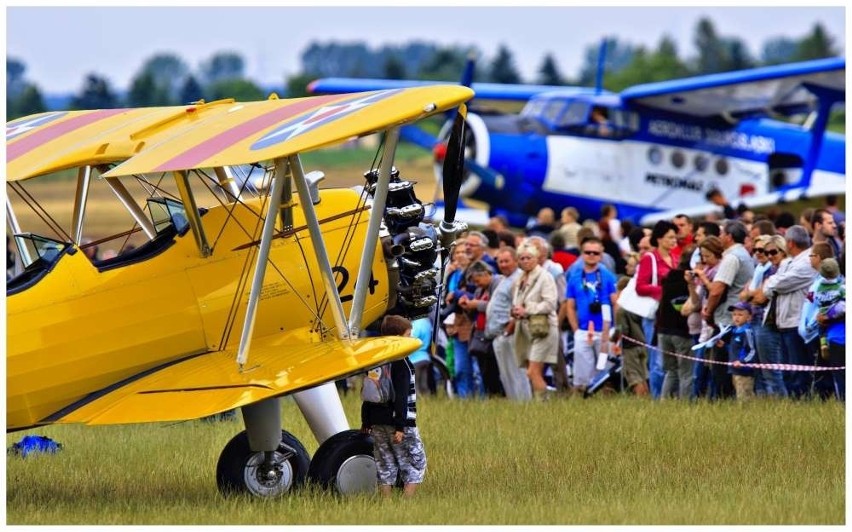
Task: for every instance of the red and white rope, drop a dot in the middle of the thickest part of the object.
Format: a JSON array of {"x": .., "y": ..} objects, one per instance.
[{"x": 780, "y": 367}]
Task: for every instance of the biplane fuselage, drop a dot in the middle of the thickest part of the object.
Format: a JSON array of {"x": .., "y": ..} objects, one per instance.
[{"x": 82, "y": 329}]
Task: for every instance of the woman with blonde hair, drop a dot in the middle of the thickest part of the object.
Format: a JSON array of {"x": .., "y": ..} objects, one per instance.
[
  {"x": 534, "y": 305},
  {"x": 768, "y": 382},
  {"x": 766, "y": 335}
]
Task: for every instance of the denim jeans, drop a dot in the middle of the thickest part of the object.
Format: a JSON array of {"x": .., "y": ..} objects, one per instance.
[
  {"x": 655, "y": 360},
  {"x": 798, "y": 383},
  {"x": 769, "y": 352},
  {"x": 702, "y": 384},
  {"x": 463, "y": 369}
]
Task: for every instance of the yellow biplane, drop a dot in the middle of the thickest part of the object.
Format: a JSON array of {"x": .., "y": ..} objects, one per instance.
[{"x": 229, "y": 305}]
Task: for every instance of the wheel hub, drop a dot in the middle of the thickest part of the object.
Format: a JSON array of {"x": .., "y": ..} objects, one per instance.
[{"x": 268, "y": 478}]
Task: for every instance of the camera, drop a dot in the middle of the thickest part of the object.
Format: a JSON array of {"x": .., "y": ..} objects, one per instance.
[{"x": 595, "y": 307}]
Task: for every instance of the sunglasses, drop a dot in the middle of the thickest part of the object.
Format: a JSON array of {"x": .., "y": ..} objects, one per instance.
[
  {"x": 591, "y": 253},
  {"x": 771, "y": 252},
  {"x": 759, "y": 250}
]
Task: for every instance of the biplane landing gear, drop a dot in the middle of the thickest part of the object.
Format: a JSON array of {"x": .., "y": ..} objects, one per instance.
[
  {"x": 344, "y": 463},
  {"x": 262, "y": 473}
]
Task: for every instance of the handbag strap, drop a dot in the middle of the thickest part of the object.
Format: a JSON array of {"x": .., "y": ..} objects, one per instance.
[{"x": 653, "y": 269}]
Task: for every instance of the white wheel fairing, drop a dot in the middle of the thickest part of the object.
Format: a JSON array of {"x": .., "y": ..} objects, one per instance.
[
  {"x": 482, "y": 153},
  {"x": 357, "y": 474},
  {"x": 344, "y": 463}
]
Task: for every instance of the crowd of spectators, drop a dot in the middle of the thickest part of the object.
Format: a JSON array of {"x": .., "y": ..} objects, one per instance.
[{"x": 744, "y": 304}]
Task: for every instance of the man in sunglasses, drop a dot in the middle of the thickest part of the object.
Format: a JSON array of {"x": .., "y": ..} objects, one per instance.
[
  {"x": 590, "y": 298},
  {"x": 790, "y": 286}
]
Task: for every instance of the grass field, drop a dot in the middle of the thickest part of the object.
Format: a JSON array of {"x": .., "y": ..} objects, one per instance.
[{"x": 607, "y": 460}]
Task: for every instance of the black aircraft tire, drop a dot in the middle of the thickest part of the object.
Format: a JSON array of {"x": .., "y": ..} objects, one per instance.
[
  {"x": 237, "y": 471},
  {"x": 344, "y": 463}
]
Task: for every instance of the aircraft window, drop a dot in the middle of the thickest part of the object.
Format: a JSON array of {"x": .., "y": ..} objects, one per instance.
[
  {"x": 722, "y": 166},
  {"x": 655, "y": 156},
  {"x": 678, "y": 159},
  {"x": 534, "y": 108},
  {"x": 45, "y": 253},
  {"x": 552, "y": 110},
  {"x": 575, "y": 115},
  {"x": 40, "y": 247},
  {"x": 701, "y": 163},
  {"x": 626, "y": 121},
  {"x": 165, "y": 212}
]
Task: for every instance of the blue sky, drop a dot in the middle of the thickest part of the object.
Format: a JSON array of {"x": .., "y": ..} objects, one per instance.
[{"x": 60, "y": 45}]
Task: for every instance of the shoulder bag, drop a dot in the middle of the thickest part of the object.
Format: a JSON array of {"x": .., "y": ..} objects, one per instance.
[{"x": 631, "y": 301}]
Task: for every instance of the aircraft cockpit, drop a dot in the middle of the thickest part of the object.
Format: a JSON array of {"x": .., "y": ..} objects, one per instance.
[
  {"x": 170, "y": 221},
  {"x": 591, "y": 116},
  {"x": 41, "y": 255}
]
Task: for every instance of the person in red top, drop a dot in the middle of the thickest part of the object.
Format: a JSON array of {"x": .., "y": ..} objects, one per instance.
[
  {"x": 684, "y": 232},
  {"x": 560, "y": 254},
  {"x": 664, "y": 259}
]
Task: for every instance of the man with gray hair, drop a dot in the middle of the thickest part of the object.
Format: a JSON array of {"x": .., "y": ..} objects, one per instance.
[
  {"x": 789, "y": 287},
  {"x": 500, "y": 327},
  {"x": 735, "y": 272},
  {"x": 476, "y": 245}
]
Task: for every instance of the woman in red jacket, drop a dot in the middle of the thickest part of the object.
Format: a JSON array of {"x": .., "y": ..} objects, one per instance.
[{"x": 661, "y": 260}]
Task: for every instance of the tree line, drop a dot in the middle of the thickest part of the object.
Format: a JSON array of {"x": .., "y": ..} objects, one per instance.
[{"x": 166, "y": 79}]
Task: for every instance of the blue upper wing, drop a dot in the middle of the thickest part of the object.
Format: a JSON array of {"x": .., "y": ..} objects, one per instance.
[
  {"x": 783, "y": 89},
  {"x": 484, "y": 91}
]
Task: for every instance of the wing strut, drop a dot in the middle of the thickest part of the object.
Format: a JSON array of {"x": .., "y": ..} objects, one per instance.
[
  {"x": 376, "y": 214},
  {"x": 319, "y": 246},
  {"x": 84, "y": 175},
  {"x": 130, "y": 204},
  {"x": 280, "y": 176},
  {"x": 12, "y": 220},
  {"x": 191, "y": 210}
]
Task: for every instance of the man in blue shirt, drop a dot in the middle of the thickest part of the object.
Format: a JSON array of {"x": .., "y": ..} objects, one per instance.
[{"x": 590, "y": 297}]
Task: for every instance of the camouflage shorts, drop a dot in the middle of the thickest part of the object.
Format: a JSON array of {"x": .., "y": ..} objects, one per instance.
[{"x": 408, "y": 459}]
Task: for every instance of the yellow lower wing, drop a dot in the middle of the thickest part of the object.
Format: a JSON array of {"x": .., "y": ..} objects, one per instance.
[{"x": 211, "y": 383}]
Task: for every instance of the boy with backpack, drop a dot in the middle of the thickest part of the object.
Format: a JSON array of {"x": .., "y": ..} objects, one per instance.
[{"x": 389, "y": 414}]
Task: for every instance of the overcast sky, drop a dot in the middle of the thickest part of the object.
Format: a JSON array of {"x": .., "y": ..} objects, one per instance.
[{"x": 60, "y": 45}]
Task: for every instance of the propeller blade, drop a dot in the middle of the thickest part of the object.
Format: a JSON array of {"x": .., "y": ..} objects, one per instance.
[
  {"x": 452, "y": 175},
  {"x": 453, "y": 170}
]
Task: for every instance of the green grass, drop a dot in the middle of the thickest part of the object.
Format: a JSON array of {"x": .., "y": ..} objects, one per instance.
[{"x": 606, "y": 460}]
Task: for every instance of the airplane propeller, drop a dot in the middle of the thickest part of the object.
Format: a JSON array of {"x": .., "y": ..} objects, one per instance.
[{"x": 453, "y": 174}]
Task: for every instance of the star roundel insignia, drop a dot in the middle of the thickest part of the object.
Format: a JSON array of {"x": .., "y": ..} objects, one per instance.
[
  {"x": 319, "y": 117},
  {"x": 19, "y": 127}
]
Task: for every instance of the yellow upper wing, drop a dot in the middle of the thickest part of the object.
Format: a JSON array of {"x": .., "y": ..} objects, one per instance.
[
  {"x": 159, "y": 139},
  {"x": 48, "y": 142},
  {"x": 259, "y": 131},
  {"x": 211, "y": 383}
]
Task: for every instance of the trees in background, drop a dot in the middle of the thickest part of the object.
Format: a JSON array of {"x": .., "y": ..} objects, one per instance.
[
  {"x": 166, "y": 79},
  {"x": 548, "y": 72},
  {"x": 95, "y": 94},
  {"x": 22, "y": 97}
]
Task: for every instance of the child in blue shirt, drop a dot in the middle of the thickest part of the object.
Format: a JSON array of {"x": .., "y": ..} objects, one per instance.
[{"x": 741, "y": 350}]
